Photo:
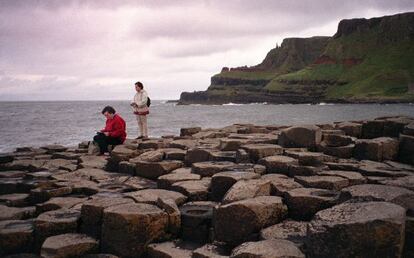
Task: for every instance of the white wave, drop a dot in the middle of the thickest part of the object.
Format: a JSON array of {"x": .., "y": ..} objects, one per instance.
[{"x": 232, "y": 104}]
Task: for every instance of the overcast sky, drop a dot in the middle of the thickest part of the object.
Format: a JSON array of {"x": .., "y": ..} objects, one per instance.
[{"x": 82, "y": 50}]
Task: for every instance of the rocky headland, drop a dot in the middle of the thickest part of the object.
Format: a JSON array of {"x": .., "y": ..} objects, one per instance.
[
  {"x": 366, "y": 61},
  {"x": 343, "y": 189}
]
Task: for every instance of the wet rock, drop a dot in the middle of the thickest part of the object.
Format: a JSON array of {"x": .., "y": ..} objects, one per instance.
[
  {"x": 153, "y": 170},
  {"x": 239, "y": 221},
  {"x": 196, "y": 220},
  {"x": 223, "y": 181},
  {"x": 324, "y": 182},
  {"x": 92, "y": 213},
  {"x": 273, "y": 248},
  {"x": 280, "y": 184},
  {"x": 245, "y": 189},
  {"x": 24, "y": 165},
  {"x": 55, "y": 222},
  {"x": 151, "y": 196},
  {"x": 68, "y": 245},
  {"x": 259, "y": 151},
  {"x": 354, "y": 178},
  {"x": 14, "y": 200},
  {"x": 209, "y": 168},
  {"x": 169, "y": 250},
  {"x": 223, "y": 156},
  {"x": 278, "y": 164},
  {"x": 153, "y": 144},
  {"x": 195, "y": 190},
  {"x": 14, "y": 213},
  {"x": 166, "y": 181},
  {"x": 54, "y": 148},
  {"x": 373, "y": 192},
  {"x": 15, "y": 236},
  {"x": 373, "y": 129},
  {"x": 303, "y": 203},
  {"x": 189, "y": 131},
  {"x": 372, "y": 229},
  {"x": 291, "y": 230},
  {"x": 406, "y": 149},
  {"x": 128, "y": 228},
  {"x": 300, "y": 136}
]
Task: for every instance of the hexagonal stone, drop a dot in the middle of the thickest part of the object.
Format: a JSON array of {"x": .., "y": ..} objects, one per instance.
[
  {"x": 127, "y": 229},
  {"x": 183, "y": 144},
  {"x": 153, "y": 170},
  {"x": 68, "y": 245},
  {"x": 373, "y": 192},
  {"x": 44, "y": 193},
  {"x": 59, "y": 203},
  {"x": 273, "y": 248},
  {"x": 354, "y": 178},
  {"x": 259, "y": 151},
  {"x": 351, "y": 129},
  {"x": 307, "y": 136},
  {"x": 170, "y": 250},
  {"x": 16, "y": 236},
  {"x": 303, "y": 203},
  {"x": 196, "y": 220},
  {"x": 280, "y": 184},
  {"x": 197, "y": 154},
  {"x": 291, "y": 230},
  {"x": 54, "y": 148},
  {"x": 406, "y": 149},
  {"x": 238, "y": 221},
  {"x": 324, "y": 182},
  {"x": 12, "y": 174},
  {"x": 14, "y": 200},
  {"x": 149, "y": 156},
  {"x": 14, "y": 213},
  {"x": 209, "y": 168},
  {"x": 151, "y": 196},
  {"x": 212, "y": 251},
  {"x": 188, "y": 131},
  {"x": 166, "y": 181},
  {"x": 245, "y": 189},
  {"x": 223, "y": 181},
  {"x": 174, "y": 216},
  {"x": 345, "y": 152},
  {"x": 229, "y": 144},
  {"x": 378, "y": 149},
  {"x": 278, "y": 164},
  {"x": 404, "y": 182},
  {"x": 195, "y": 190},
  {"x": 55, "y": 222},
  {"x": 92, "y": 161},
  {"x": 372, "y": 229},
  {"x": 335, "y": 140},
  {"x": 299, "y": 170},
  {"x": 92, "y": 213}
]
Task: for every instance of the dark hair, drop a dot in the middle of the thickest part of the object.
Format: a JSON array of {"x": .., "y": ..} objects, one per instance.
[
  {"x": 139, "y": 84},
  {"x": 108, "y": 109}
]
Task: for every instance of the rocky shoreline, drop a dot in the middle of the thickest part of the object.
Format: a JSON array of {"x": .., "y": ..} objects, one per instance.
[{"x": 344, "y": 189}]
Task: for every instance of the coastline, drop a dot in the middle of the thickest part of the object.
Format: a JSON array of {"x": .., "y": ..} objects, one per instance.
[{"x": 288, "y": 176}]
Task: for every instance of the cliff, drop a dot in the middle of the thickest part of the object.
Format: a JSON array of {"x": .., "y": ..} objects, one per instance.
[{"x": 367, "y": 60}]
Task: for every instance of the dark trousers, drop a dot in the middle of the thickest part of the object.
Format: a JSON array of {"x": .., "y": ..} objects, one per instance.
[{"x": 103, "y": 141}]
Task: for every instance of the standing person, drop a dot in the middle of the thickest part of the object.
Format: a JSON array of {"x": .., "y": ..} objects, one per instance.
[
  {"x": 114, "y": 132},
  {"x": 141, "y": 109}
]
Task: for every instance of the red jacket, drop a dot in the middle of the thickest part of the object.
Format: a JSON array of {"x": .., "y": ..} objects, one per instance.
[{"x": 116, "y": 127}]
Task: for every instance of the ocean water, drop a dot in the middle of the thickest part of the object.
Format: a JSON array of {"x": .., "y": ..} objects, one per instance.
[{"x": 70, "y": 122}]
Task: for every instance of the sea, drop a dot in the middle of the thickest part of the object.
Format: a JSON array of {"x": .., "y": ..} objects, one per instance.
[{"x": 70, "y": 122}]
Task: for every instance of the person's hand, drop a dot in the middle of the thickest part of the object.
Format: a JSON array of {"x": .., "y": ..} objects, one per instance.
[{"x": 106, "y": 133}]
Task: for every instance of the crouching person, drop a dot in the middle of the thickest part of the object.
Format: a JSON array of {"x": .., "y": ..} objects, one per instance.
[{"x": 114, "y": 132}]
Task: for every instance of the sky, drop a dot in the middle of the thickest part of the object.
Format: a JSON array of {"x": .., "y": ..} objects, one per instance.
[{"x": 98, "y": 49}]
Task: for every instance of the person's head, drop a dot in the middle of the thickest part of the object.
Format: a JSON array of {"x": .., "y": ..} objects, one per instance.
[
  {"x": 139, "y": 86},
  {"x": 108, "y": 112}
]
